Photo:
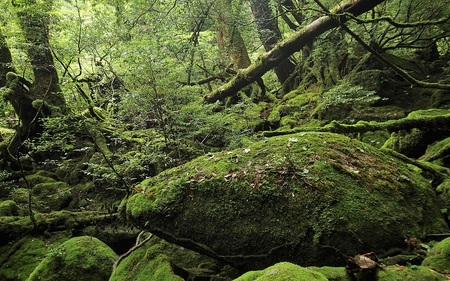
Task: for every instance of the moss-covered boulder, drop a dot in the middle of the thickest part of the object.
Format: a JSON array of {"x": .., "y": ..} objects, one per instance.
[
  {"x": 386, "y": 273},
  {"x": 414, "y": 142},
  {"x": 51, "y": 196},
  {"x": 80, "y": 258},
  {"x": 281, "y": 272},
  {"x": 8, "y": 208},
  {"x": 409, "y": 273},
  {"x": 307, "y": 198},
  {"x": 439, "y": 257},
  {"x": 160, "y": 260},
  {"x": 18, "y": 259}
]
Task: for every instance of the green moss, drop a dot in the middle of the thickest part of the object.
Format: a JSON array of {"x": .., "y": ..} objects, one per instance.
[
  {"x": 37, "y": 178},
  {"x": 80, "y": 258},
  {"x": 290, "y": 198},
  {"x": 333, "y": 273},
  {"x": 409, "y": 273},
  {"x": 439, "y": 257},
  {"x": 8, "y": 208},
  {"x": 281, "y": 272},
  {"x": 51, "y": 196},
  {"x": 153, "y": 262},
  {"x": 437, "y": 152},
  {"x": 19, "y": 259}
]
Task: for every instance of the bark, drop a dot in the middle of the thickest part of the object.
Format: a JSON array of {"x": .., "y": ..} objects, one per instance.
[
  {"x": 34, "y": 23},
  {"x": 270, "y": 35},
  {"x": 229, "y": 38},
  {"x": 5, "y": 60},
  {"x": 286, "y": 48},
  {"x": 42, "y": 97}
]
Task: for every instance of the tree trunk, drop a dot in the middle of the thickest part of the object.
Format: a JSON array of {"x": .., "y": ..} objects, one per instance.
[
  {"x": 34, "y": 23},
  {"x": 270, "y": 35},
  {"x": 42, "y": 97},
  {"x": 5, "y": 60},
  {"x": 229, "y": 38},
  {"x": 286, "y": 48}
]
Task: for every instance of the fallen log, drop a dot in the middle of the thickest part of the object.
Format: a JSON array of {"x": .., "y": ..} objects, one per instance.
[
  {"x": 13, "y": 227},
  {"x": 286, "y": 48}
]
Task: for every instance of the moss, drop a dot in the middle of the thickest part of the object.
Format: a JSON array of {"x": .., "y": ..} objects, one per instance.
[
  {"x": 9, "y": 208},
  {"x": 37, "y": 178},
  {"x": 438, "y": 153},
  {"x": 283, "y": 271},
  {"x": 51, "y": 196},
  {"x": 154, "y": 262},
  {"x": 19, "y": 259},
  {"x": 409, "y": 273},
  {"x": 333, "y": 273},
  {"x": 295, "y": 198},
  {"x": 80, "y": 258},
  {"x": 439, "y": 257},
  {"x": 6, "y": 134}
]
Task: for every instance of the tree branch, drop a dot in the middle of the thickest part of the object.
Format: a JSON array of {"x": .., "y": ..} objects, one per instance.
[{"x": 286, "y": 48}]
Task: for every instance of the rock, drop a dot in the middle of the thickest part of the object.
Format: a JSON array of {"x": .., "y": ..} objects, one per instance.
[
  {"x": 309, "y": 198},
  {"x": 409, "y": 273},
  {"x": 80, "y": 258},
  {"x": 439, "y": 257},
  {"x": 283, "y": 271},
  {"x": 159, "y": 260},
  {"x": 51, "y": 196},
  {"x": 18, "y": 259},
  {"x": 8, "y": 208},
  {"x": 413, "y": 143}
]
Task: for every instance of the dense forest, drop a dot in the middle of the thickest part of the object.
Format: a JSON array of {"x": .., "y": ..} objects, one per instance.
[{"x": 224, "y": 140}]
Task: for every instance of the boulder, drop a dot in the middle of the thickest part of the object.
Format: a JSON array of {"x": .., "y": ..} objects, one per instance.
[
  {"x": 80, "y": 258},
  {"x": 309, "y": 198},
  {"x": 439, "y": 257},
  {"x": 283, "y": 271}
]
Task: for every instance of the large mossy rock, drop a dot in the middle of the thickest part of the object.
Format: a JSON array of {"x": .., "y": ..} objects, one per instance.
[
  {"x": 80, "y": 258},
  {"x": 281, "y": 272},
  {"x": 308, "y": 198},
  {"x": 159, "y": 260},
  {"x": 439, "y": 257}
]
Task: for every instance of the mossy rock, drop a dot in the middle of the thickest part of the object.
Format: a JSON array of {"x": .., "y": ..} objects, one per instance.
[
  {"x": 386, "y": 273},
  {"x": 409, "y": 273},
  {"x": 8, "y": 208},
  {"x": 51, "y": 196},
  {"x": 283, "y": 271},
  {"x": 80, "y": 258},
  {"x": 20, "y": 258},
  {"x": 438, "y": 153},
  {"x": 439, "y": 257},
  {"x": 303, "y": 198},
  {"x": 414, "y": 143},
  {"x": 159, "y": 260}
]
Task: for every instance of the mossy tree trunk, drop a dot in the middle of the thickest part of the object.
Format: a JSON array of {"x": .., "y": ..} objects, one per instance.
[
  {"x": 229, "y": 38},
  {"x": 289, "y": 46},
  {"x": 270, "y": 35},
  {"x": 5, "y": 60},
  {"x": 42, "y": 97}
]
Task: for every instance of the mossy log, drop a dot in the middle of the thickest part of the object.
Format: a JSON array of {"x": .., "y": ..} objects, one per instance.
[
  {"x": 13, "y": 227},
  {"x": 439, "y": 122},
  {"x": 286, "y": 48}
]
